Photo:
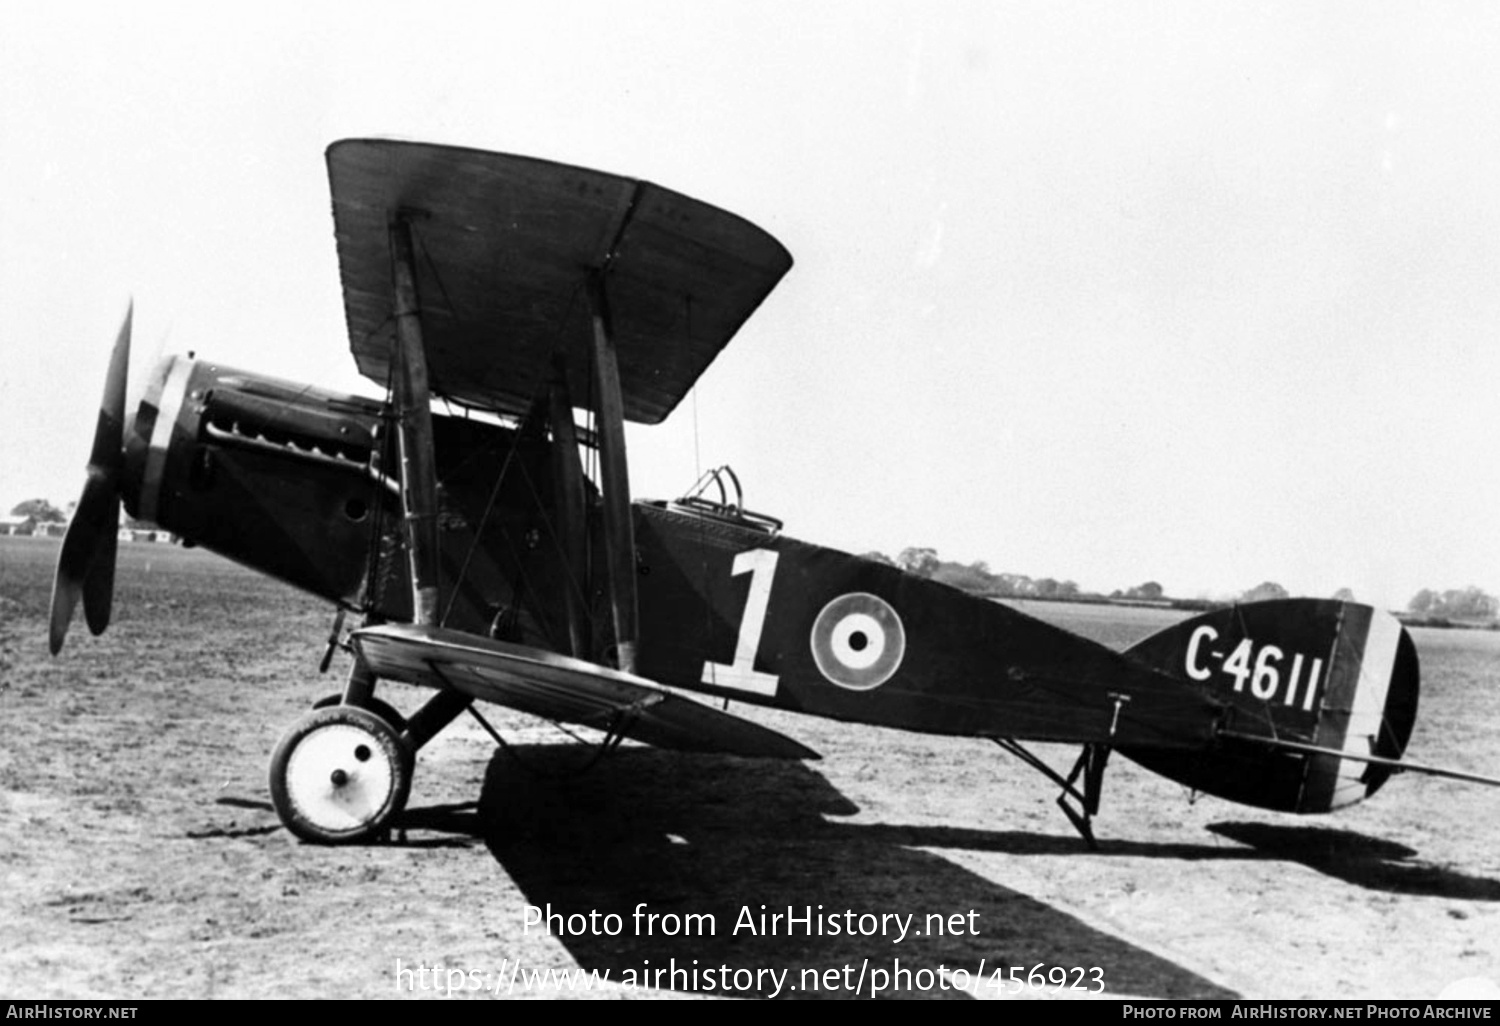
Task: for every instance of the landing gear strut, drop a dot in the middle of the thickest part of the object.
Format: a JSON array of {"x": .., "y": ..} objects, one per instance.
[{"x": 1090, "y": 766}]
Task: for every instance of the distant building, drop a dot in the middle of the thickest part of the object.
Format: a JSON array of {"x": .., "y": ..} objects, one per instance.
[
  {"x": 146, "y": 534},
  {"x": 18, "y": 525}
]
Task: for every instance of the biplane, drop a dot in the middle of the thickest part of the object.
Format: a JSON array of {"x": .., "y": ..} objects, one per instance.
[{"x": 494, "y": 552}]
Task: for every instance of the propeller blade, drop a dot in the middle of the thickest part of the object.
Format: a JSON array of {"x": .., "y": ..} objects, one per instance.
[
  {"x": 99, "y": 582},
  {"x": 86, "y": 564},
  {"x": 109, "y": 436}
]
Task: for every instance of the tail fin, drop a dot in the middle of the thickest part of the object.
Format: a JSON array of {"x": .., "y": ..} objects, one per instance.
[{"x": 1320, "y": 696}]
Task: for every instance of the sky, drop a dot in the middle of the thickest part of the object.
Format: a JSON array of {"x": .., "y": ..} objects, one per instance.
[{"x": 1204, "y": 294}]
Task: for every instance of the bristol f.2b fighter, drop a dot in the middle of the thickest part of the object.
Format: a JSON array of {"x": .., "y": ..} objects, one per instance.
[{"x": 498, "y": 555}]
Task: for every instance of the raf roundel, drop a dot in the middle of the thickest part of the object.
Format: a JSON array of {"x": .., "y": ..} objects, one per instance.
[{"x": 858, "y": 641}]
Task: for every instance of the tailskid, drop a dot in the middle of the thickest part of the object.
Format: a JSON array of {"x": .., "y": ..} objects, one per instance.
[{"x": 1089, "y": 766}]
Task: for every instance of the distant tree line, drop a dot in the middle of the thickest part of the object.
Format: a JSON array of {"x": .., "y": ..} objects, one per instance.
[
  {"x": 1151, "y": 591},
  {"x": 977, "y": 578},
  {"x": 43, "y": 512},
  {"x": 40, "y": 510},
  {"x": 1457, "y": 603}
]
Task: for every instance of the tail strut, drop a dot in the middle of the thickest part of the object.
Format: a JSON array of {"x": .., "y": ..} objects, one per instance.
[{"x": 1090, "y": 766}]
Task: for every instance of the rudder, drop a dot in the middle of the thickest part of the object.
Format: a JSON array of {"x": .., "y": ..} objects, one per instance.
[{"x": 1336, "y": 676}]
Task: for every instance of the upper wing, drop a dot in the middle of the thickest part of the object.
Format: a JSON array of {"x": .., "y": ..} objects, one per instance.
[
  {"x": 504, "y": 247},
  {"x": 558, "y": 687}
]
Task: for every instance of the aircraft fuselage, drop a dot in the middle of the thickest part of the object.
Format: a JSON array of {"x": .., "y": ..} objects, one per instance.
[{"x": 298, "y": 482}]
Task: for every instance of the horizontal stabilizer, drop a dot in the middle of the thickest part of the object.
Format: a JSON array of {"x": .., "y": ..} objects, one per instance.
[
  {"x": 561, "y": 688},
  {"x": 1398, "y": 765}
]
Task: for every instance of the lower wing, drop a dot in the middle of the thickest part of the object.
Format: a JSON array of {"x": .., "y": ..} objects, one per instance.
[{"x": 562, "y": 688}]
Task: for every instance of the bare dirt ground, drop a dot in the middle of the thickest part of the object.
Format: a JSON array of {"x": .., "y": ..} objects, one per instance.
[{"x": 141, "y": 857}]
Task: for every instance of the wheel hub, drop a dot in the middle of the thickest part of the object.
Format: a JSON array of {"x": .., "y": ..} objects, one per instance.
[{"x": 337, "y": 780}]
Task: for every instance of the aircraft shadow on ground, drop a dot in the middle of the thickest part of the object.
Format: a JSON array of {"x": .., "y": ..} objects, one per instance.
[
  {"x": 1369, "y": 862},
  {"x": 714, "y": 836},
  {"x": 1358, "y": 859}
]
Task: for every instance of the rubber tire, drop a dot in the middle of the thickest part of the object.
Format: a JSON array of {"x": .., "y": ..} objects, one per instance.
[
  {"x": 380, "y": 734},
  {"x": 374, "y": 705}
]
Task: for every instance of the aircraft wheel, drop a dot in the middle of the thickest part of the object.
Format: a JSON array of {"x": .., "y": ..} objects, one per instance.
[
  {"x": 340, "y": 776},
  {"x": 374, "y": 705}
]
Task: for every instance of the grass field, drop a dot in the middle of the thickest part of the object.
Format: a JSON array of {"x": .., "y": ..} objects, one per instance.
[{"x": 141, "y": 857}]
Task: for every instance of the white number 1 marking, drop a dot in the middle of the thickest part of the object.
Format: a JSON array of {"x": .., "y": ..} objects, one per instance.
[{"x": 742, "y": 675}]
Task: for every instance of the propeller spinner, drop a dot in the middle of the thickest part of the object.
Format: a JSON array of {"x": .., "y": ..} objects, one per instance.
[{"x": 86, "y": 564}]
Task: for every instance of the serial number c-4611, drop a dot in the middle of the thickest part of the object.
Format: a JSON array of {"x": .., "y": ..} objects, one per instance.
[{"x": 1258, "y": 669}]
